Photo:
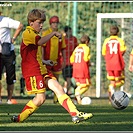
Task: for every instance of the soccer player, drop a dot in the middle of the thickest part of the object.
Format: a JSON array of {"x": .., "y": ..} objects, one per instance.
[
  {"x": 113, "y": 50},
  {"x": 80, "y": 60},
  {"x": 55, "y": 49},
  {"x": 71, "y": 43},
  {"x": 36, "y": 76},
  {"x": 131, "y": 61}
]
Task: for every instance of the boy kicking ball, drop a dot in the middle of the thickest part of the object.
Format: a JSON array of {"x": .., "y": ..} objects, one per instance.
[{"x": 37, "y": 77}]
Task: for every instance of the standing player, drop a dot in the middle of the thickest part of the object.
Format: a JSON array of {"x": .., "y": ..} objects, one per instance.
[
  {"x": 80, "y": 60},
  {"x": 71, "y": 43},
  {"x": 113, "y": 49},
  {"x": 7, "y": 54},
  {"x": 36, "y": 76},
  {"x": 131, "y": 61},
  {"x": 55, "y": 49}
]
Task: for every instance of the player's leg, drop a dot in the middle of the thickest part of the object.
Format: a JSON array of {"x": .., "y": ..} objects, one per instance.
[
  {"x": 30, "y": 108},
  {"x": 55, "y": 99},
  {"x": 122, "y": 80},
  {"x": 79, "y": 91},
  {"x": 10, "y": 76},
  {"x": 119, "y": 78},
  {"x": 111, "y": 87},
  {"x": 66, "y": 102},
  {"x": 1, "y": 70},
  {"x": 33, "y": 86},
  {"x": 67, "y": 75},
  {"x": 82, "y": 87}
]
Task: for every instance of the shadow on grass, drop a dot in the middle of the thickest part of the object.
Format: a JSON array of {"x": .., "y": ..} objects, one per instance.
[{"x": 51, "y": 117}]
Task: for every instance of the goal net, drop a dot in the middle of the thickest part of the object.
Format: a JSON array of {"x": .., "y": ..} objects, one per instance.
[{"x": 125, "y": 23}]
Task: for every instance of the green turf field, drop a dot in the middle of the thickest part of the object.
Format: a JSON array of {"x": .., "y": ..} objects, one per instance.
[{"x": 52, "y": 117}]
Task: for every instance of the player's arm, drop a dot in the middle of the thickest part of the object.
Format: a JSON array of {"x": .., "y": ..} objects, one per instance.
[
  {"x": 122, "y": 46},
  {"x": 44, "y": 39},
  {"x": 86, "y": 53}
]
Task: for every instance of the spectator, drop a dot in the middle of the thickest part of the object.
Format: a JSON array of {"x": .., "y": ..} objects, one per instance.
[
  {"x": 71, "y": 43},
  {"x": 113, "y": 50},
  {"x": 80, "y": 60},
  {"x": 36, "y": 76},
  {"x": 8, "y": 56},
  {"x": 55, "y": 49}
]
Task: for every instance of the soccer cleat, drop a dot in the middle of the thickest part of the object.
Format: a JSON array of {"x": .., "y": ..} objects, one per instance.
[
  {"x": 14, "y": 118},
  {"x": 81, "y": 116}
]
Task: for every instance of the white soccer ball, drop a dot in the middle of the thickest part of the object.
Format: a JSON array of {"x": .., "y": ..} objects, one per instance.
[
  {"x": 86, "y": 101},
  {"x": 119, "y": 100}
]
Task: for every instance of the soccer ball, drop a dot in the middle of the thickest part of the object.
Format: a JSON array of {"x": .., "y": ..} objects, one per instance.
[
  {"x": 119, "y": 100},
  {"x": 86, "y": 101}
]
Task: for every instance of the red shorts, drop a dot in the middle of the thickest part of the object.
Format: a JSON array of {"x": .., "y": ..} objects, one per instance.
[
  {"x": 56, "y": 69},
  {"x": 112, "y": 75},
  {"x": 35, "y": 84},
  {"x": 82, "y": 81}
]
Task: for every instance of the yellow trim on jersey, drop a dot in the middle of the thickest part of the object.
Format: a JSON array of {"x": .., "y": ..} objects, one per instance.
[
  {"x": 86, "y": 53},
  {"x": 29, "y": 36},
  {"x": 121, "y": 41}
]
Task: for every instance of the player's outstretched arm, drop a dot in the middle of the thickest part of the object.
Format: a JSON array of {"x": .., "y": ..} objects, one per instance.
[{"x": 44, "y": 39}]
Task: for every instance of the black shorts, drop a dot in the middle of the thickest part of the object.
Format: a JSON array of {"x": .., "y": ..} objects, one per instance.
[
  {"x": 8, "y": 63},
  {"x": 67, "y": 72}
]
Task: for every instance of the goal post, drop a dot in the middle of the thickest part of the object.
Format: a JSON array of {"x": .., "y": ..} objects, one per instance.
[{"x": 101, "y": 16}]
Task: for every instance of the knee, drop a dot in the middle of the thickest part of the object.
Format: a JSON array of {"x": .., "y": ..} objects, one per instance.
[{"x": 39, "y": 100}]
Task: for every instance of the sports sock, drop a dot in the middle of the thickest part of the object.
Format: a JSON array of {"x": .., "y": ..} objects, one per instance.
[
  {"x": 67, "y": 103},
  {"x": 27, "y": 111}
]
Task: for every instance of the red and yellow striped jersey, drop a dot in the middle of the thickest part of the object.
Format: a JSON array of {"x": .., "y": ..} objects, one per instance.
[{"x": 53, "y": 47}]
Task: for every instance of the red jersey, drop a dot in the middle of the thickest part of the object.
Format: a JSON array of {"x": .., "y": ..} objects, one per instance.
[
  {"x": 113, "y": 49},
  {"x": 31, "y": 54},
  {"x": 71, "y": 44},
  {"x": 53, "y": 47},
  {"x": 80, "y": 61}
]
